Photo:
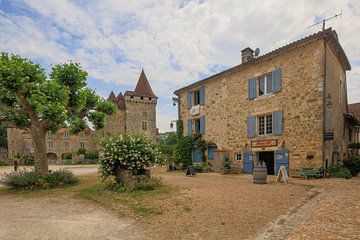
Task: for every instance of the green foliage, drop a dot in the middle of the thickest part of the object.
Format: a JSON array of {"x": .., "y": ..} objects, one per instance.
[
  {"x": 146, "y": 184},
  {"x": 353, "y": 164},
  {"x": 81, "y": 150},
  {"x": 339, "y": 171},
  {"x": 28, "y": 97},
  {"x": 227, "y": 164},
  {"x": 201, "y": 145},
  {"x": 67, "y": 156},
  {"x": 92, "y": 155},
  {"x": 167, "y": 143},
  {"x": 202, "y": 168},
  {"x": 29, "y": 180},
  {"x": 27, "y": 160},
  {"x": 179, "y": 128},
  {"x": 125, "y": 152},
  {"x": 3, "y": 136},
  {"x": 354, "y": 145},
  {"x": 183, "y": 150}
]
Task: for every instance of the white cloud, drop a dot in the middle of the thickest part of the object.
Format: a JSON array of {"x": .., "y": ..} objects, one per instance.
[{"x": 173, "y": 42}]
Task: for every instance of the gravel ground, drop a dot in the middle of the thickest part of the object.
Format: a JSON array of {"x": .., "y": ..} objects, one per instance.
[{"x": 214, "y": 206}]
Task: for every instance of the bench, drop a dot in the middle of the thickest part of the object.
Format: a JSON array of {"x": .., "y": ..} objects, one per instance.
[{"x": 310, "y": 173}]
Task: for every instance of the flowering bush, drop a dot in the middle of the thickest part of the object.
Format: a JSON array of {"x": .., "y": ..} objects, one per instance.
[{"x": 129, "y": 153}]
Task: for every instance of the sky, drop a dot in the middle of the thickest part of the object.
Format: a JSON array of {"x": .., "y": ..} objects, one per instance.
[{"x": 175, "y": 42}]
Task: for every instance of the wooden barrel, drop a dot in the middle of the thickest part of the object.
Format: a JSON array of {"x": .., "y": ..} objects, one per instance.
[{"x": 259, "y": 175}]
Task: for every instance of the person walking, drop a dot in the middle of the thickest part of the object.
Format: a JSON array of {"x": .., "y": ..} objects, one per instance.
[{"x": 16, "y": 164}]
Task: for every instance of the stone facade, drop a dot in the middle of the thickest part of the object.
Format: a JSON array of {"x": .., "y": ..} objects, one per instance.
[
  {"x": 297, "y": 110},
  {"x": 134, "y": 109}
]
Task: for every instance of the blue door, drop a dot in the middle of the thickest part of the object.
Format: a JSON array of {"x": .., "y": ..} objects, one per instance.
[
  {"x": 196, "y": 156},
  {"x": 211, "y": 151},
  {"x": 281, "y": 158},
  {"x": 248, "y": 162}
]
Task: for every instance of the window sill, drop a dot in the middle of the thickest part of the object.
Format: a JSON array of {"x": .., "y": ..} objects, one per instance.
[{"x": 264, "y": 96}]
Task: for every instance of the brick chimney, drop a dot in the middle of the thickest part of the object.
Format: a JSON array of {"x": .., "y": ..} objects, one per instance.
[{"x": 247, "y": 55}]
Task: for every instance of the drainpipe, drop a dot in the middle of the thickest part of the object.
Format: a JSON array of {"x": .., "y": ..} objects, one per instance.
[{"x": 324, "y": 109}]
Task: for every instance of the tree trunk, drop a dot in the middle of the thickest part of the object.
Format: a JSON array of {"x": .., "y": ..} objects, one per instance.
[{"x": 39, "y": 145}]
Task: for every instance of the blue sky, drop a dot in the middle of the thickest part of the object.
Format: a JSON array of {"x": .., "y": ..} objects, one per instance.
[{"x": 176, "y": 42}]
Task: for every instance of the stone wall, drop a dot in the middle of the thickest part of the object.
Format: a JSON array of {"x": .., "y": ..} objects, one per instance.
[
  {"x": 227, "y": 105},
  {"x": 137, "y": 111}
]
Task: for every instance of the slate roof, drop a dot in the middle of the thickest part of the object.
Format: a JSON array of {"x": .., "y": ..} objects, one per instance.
[{"x": 327, "y": 34}]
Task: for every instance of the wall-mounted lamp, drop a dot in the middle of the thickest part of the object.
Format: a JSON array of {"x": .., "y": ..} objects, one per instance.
[
  {"x": 172, "y": 123},
  {"x": 175, "y": 101}
]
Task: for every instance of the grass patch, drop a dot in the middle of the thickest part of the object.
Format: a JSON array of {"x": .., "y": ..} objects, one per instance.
[{"x": 140, "y": 202}]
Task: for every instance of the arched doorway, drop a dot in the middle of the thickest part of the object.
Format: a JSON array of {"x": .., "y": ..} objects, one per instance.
[{"x": 51, "y": 156}]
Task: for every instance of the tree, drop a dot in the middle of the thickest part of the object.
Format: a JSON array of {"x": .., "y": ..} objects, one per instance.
[
  {"x": 28, "y": 99},
  {"x": 167, "y": 143}
]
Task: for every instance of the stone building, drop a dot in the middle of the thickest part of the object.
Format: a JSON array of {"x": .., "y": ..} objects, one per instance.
[
  {"x": 136, "y": 115},
  {"x": 285, "y": 107}
]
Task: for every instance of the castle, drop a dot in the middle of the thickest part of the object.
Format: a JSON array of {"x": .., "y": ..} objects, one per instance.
[{"x": 136, "y": 115}]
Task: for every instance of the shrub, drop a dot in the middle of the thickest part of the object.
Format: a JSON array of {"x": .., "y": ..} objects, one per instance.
[
  {"x": 81, "y": 151},
  {"x": 92, "y": 155},
  {"x": 3, "y": 163},
  {"x": 353, "y": 164},
  {"x": 202, "y": 168},
  {"x": 129, "y": 153},
  {"x": 28, "y": 160},
  {"x": 29, "y": 180},
  {"x": 339, "y": 171},
  {"x": 67, "y": 156}
]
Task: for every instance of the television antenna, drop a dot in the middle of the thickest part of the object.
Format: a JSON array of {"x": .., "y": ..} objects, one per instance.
[{"x": 325, "y": 20}]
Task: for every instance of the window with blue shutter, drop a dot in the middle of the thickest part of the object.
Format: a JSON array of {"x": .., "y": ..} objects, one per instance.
[
  {"x": 202, "y": 125},
  {"x": 277, "y": 80},
  {"x": 189, "y": 127},
  {"x": 189, "y": 99},
  {"x": 251, "y": 126},
  {"x": 278, "y": 123},
  {"x": 202, "y": 95},
  {"x": 211, "y": 151},
  {"x": 252, "y": 88}
]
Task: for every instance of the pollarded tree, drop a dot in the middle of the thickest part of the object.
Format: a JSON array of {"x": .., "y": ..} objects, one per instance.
[{"x": 28, "y": 99}]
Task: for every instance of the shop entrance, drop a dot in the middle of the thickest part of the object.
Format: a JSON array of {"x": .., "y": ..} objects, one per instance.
[{"x": 267, "y": 158}]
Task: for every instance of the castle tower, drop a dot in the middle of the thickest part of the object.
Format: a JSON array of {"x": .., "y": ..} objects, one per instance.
[
  {"x": 141, "y": 109},
  {"x": 115, "y": 124}
]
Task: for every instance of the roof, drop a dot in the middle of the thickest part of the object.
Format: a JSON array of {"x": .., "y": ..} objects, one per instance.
[
  {"x": 327, "y": 34},
  {"x": 119, "y": 100},
  {"x": 354, "y": 110},
  {"x": 142, "y": 88}
]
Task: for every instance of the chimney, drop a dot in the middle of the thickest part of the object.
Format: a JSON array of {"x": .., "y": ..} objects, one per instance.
[{"x": 247, "y": 55}]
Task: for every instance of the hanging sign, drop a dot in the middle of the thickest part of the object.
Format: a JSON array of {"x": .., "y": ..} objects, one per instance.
[{"x": 264, "y": 143}]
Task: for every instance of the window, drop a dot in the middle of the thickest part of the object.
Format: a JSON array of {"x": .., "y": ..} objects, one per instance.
[
  {"x": 265, "y": 84},
  {"x": 144, "y": 125},
  {"x": 82, "y": 144},
  {"x": 66, "y": 135},
  {"x": 265, "y": 124},
  {"x": 196, "y": 98},
  {"x": 49, "y": 133},
  {"x": 238, "y": 156},
  {"x": 81, "y": 134},
  {"x": 50, "y": 144},
  {"x": 197, "y": 126},
  {"x": 144, "y": 114}
]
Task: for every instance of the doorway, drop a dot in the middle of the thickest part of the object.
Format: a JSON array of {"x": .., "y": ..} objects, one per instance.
[{"x": 268, "y": 159}]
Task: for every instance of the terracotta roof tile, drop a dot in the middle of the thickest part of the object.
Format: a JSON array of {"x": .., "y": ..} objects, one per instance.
[
  {"x": 143, "y": 87},
  {"x": 119, "y": 100},
  {"x": 354, "y": 110}
]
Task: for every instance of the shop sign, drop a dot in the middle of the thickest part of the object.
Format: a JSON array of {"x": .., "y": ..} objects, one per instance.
[{"x": 264, "y": 143}]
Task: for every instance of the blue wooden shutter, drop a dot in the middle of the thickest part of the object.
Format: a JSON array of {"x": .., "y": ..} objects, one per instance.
[
  {"x": 248, "y": 162},
  {"x": 281, "y": 159},
  {"x": 202, "y": 125},
  {"x": 202, "y": 95},
  {"x": 189, "y": 99},
  {"x": 252, "y": 88},
  {"x": 278, "y": 126},
  {"x": 251, "y": 126},
  {"x": 211, "y": 153},
  {"x": 189, "y": 127},
  {"x": 277, "y": 80}
]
